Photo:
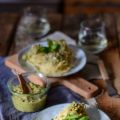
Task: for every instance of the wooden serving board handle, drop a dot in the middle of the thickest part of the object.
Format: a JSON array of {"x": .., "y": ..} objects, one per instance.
[
  {"x": 81, "y": 87},
  {"x": 74, "y": 83}
]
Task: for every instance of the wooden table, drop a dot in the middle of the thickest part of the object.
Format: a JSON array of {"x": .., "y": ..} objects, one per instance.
[{"x": 71, "y": 25}]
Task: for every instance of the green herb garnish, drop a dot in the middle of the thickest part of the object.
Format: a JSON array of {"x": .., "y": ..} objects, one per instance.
[{"x": 52, "y": 47}]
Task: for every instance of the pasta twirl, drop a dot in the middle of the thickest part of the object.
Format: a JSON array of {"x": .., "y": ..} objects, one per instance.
[
  {"x": 75, "y": 111},
  {"x": 52, "y": 60}
]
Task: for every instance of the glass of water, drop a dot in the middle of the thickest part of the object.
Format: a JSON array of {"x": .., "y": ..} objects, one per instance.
[
  {"x": 35, "y": 22},
  {"x": 92, "y": 37}
]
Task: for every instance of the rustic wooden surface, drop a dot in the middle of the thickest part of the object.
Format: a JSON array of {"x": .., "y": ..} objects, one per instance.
[
  {"x": 7, "y": 23},
  {"x": 70, "y": 25},
  {"x": 91, "y": 6}
]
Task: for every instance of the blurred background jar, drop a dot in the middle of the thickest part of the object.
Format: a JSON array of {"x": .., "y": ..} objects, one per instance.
[
  {"x": 92, "y": 36},
  {"x": 33, "y": 25},
  {"x": 35, "y": 21}
]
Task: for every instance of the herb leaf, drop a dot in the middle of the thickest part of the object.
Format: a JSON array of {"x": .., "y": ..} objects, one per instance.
[{"x": 52, "y": 47}]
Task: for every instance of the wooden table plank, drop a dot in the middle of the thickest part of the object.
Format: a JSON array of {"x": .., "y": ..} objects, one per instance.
[
  {"x": 117, "y": 17},
  {"x": 7, "y": 22},
  {"x": 71, "y": 25},
  {"x": 55, "y": 21},
  {"x": 111, "y": 105},
  {"x": 111, "y": 34},
  {"x": 108, "y": 104}
]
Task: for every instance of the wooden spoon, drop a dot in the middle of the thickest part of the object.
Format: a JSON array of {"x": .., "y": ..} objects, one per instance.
[{"x": 23, "y": 84}]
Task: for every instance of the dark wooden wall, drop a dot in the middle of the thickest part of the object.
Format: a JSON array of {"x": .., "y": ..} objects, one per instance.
[
  {"x": 18, "y": 5},
  {"x": 91, "y": 6},
  {"x": 60, "y": 6}
]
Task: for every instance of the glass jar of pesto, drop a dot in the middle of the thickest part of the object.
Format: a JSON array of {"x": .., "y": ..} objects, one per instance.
[{"x": 38, "y": 85}]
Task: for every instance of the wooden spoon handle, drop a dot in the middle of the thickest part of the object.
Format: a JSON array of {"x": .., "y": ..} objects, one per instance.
[
  {"x": 23, "y": 84},
  {"x": 81, "y": 87}
]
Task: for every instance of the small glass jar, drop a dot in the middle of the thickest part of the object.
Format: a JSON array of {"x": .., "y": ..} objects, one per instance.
[
  {"x": 35, "y": 21},
  {"x": 92, "y": 36},
  {"x": 33, "y": 25},
  {"x": 33, "y": 101}
]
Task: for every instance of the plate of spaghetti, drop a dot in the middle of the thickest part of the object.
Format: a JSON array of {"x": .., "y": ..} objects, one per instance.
[
  {"x": 53, "y": 58},
  {"x": 71, "y": 111}
]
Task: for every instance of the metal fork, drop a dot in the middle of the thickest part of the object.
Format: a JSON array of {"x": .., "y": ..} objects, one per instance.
[
  {"x": 93, "y": 106},
  {"x": 13, "y": 116}
]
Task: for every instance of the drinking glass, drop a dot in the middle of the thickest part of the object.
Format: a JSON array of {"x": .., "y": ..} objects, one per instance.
[
  {"x": 92, "y": 37},
  {"x": 35, "y": 21}
]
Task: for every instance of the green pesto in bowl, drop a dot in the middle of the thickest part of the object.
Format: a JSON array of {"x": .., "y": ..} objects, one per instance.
[{"x": 31, "y": 102}]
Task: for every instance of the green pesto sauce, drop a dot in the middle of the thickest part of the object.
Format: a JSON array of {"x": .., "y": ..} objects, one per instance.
[{"x": 29, "y": 103}]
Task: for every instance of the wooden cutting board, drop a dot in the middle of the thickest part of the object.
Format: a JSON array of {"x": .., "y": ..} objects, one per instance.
[{"x": 75, "y": 82}]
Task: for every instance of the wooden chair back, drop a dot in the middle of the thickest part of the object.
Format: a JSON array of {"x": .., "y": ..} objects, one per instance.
[{"x": 91, "y": 6}]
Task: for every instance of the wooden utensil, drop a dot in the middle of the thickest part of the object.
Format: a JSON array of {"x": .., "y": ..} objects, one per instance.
[{"x": 22, "y": 82}]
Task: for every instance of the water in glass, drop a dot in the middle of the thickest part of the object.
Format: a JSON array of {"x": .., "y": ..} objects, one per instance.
[{"x": 92, "y": 36}]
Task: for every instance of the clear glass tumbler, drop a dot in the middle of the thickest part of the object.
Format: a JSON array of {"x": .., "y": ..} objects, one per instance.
[
  {"x": 92, "y": 36},
  {"x": 35, "y": 22}
]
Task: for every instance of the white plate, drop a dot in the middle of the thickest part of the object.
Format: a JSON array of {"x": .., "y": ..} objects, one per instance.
[
  {"x": 51, "y": 112},
  {"x": 78, "y": 64}
]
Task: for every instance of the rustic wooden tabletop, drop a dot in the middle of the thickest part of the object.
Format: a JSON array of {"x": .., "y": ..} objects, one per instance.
[{"x": 69, "y": 24}]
